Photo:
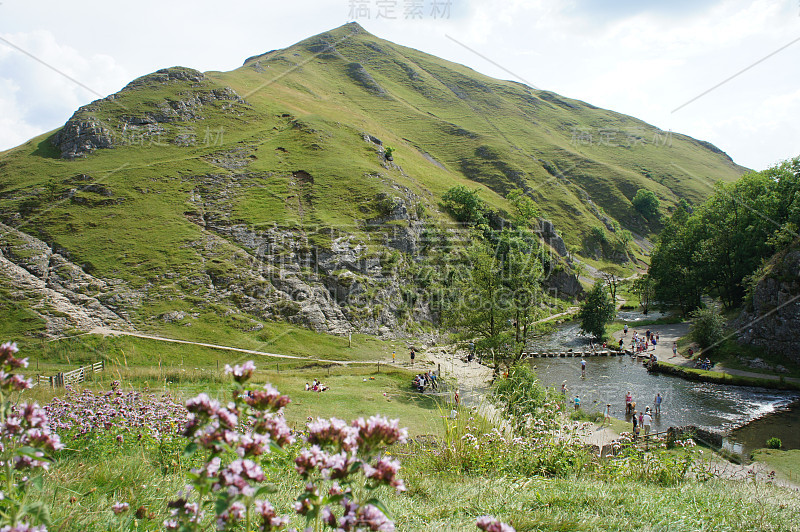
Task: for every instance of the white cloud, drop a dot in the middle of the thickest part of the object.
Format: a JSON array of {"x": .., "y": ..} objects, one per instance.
[
  {"x": 639, "y": 58},
  {"x": 37, "y": 97}
]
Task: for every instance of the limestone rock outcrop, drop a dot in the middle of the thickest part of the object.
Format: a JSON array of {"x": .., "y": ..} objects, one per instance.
[{"x": 772, "y": 319}]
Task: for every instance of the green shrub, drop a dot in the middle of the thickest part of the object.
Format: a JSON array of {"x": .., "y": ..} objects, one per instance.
[
  {"x": 774, "y": 443},
  {"x": 646, "y": 203},
  {"x": 521, "y": 396},
  {"x": 708, "y": 327}
]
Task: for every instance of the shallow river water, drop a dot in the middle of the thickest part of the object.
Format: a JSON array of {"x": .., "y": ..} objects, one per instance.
[{"x": 731, "y": 409}]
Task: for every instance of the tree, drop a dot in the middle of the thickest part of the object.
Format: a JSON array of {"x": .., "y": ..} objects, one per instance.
[
  {"x": 596, "y": 311},
  {"x": 716, "y": 247},
  {"x": 646, "y": 203},
  {"x": 643, "y": 287},
  {"x": 708, "y": 327},
  {"x": 465, "y": 205},
  {"x": 612, "y": 282},
  {"x": 525, "y": 210},
  {"x": 494, "y": 298},
  {"x": 673, "y": 265},
  {"x": 523, "y": 277}
]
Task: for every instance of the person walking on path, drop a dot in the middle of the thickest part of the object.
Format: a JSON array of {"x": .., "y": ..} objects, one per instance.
[
  {"x": 657, "y": 403},
  {"x": 413, "y": 355},
  {"x": 625, "y": 328},
  {"x": 674, "y": 349},
  {"x": 394, "y": 357}
]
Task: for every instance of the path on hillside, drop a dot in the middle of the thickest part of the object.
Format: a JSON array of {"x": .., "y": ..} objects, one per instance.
[{"x": 112, "y": 332}]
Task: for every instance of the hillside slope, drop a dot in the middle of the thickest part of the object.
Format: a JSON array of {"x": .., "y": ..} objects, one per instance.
[{"x": 264, "y": 192}]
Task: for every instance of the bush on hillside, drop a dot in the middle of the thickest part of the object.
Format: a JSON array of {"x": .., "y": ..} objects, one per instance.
[{"x": 646, "y": 203}]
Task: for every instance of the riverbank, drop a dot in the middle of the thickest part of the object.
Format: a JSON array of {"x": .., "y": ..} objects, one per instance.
[
  {"x": 678, "y": 365},
  {"x": 773, "y": 382}
]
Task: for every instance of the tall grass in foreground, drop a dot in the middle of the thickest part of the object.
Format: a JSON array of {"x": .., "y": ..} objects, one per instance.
[{"x": 538, "y": 476}]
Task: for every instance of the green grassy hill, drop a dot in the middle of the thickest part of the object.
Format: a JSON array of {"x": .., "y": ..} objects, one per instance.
[{"x": 192, "y": 193}]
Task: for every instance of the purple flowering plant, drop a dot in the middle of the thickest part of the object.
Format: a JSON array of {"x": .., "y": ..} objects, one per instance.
[
  {"x": 26, "y": 444},
  {"x": 232, "y": 438},
  {"x": 108, "y": 423},
  {"x": 341, "y": 464}
]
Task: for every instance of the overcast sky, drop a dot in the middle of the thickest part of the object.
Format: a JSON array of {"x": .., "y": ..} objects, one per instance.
[{"x": 646, "y": 59}]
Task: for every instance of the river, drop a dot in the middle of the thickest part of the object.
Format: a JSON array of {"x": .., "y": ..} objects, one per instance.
[{"x": 748, "y": 416}]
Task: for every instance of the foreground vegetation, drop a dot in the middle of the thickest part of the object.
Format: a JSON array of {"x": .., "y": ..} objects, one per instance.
[{"x": 519, "y": 460}]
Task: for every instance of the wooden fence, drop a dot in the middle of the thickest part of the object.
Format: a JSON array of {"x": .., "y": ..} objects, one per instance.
[{"x": 69, "y": 378}]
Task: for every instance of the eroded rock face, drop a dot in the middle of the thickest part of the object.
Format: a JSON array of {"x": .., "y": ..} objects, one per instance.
[
  {"x": 551, "y": 237},
  {"x": 773, "y": 320},
  {"x": 565, "y": 285},
  {"x": 81, "y": 136},
  {"x": 61, "y": 292}
]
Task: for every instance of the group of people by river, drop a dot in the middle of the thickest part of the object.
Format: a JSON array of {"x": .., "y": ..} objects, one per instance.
[
  {"x": 641, "y": 343},
  {"x": 641, "y": 419}
]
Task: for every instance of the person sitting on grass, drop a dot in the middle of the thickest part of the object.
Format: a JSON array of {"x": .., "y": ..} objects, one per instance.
[{"x": 317, "y": 386}]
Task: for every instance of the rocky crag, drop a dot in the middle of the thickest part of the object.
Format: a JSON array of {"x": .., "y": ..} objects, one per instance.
[
  {"x": 60, "y": 292},
  {"x": 772, "y": 318}
]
